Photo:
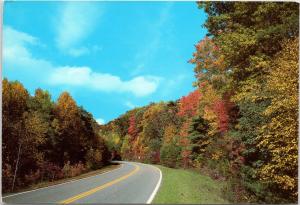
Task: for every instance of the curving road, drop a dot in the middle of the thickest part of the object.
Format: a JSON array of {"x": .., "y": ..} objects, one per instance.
[{"x": 131, "y": 183}]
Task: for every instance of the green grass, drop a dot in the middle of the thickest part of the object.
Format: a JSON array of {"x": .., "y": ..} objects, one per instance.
[{"x": 187, "y": 187}]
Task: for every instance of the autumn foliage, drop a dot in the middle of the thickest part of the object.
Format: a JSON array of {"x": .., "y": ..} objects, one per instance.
[
  {"x": 45, "y": 140},
  {"x": 239, "y": 124},
  {"x": 132, "y": 129},
  {"x": 188, "y": 105}
]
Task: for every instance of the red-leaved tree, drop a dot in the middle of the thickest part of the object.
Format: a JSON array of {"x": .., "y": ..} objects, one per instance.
[
  {"x": 188, "y": 105},
  {"x": 132, "y": 129}
]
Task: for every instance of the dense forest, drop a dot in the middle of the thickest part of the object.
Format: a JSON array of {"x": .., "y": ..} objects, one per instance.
[
  {"x": 44, "y": 140},
  {"x": 240, "y": 124}
]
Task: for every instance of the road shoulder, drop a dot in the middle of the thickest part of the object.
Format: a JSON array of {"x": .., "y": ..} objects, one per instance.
[{"x": 44, "y": 185}]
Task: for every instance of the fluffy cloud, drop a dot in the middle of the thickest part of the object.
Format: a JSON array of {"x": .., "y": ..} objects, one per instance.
[
  {"x": 84, "y": 76},
  {"x": 100, "y": 121},
  {"x": 15, "y": 43},
  {"x": 76, "y": 20},
  {"x": 20, "y": 60}
]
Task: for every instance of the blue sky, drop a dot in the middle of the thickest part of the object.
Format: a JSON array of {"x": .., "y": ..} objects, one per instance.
[{"x": 111, "y": 56}]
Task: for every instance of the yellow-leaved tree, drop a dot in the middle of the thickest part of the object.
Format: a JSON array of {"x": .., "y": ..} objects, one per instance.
[{"x": 279, "y": 136}]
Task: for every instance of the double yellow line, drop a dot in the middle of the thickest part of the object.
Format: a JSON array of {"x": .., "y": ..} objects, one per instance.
[{"x": 87, "y": 193}]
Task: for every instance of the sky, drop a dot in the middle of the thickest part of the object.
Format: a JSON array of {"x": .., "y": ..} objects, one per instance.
[{"x": 110, "y": 56}]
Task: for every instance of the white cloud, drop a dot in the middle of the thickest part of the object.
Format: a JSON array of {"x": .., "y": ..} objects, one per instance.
[
  {"x": 17, "y": 37},
  {"x": 84, "y": 76},
  {"x": 100, "y": 121},
  {"x": 77, "y": 21},
  {"x": 141, "y": 85},
  {"x": 15, "y": 42},
  {"x": 19, "y": 59}
]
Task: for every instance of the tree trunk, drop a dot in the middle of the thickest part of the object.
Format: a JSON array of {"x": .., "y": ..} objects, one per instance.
[{"x": 16, "y": 168}]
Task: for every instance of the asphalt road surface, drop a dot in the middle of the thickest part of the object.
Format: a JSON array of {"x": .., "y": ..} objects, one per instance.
[{"x": 131, "y": 183}]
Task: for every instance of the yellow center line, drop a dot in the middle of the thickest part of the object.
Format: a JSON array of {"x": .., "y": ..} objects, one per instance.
[{"x": 87, "y": 193}]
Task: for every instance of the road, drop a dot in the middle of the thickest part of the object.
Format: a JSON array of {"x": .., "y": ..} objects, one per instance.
[{"x": 131, "y": 183}]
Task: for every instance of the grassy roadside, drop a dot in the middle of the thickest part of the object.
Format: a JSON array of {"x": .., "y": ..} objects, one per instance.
[
  {"x": 187, "y": 187},
  {"x": 60, "y": 181}
]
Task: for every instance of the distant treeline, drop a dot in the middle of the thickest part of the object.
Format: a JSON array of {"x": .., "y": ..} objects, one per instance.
[
  {"x": 241, "y": 122},
  {"x": 44, "y": 140}
]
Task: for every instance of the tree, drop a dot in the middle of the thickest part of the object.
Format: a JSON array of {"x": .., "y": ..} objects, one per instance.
[
  {"x": 132, "y": 130},
  {"x": 14, "y": 105},
  {"x": 41, "y": 138},
  {"x": 170, "y": 132},
  {"x": 249, "y": 36},
  {"x": 198, "y": 136},
  {"x": 222, "y": 108},
  {"x": 94, "y": 159},
  {"x": 188, "y": 105},
  {"x": 42, "y": 105},
  {"x": 212, "y": 80},
  {"x": 170, "y": 153},
  {"x": 67, "y": 113},
  {"x": 185, "y": 143},
  {"x": 125, "y": 149},
  {"x": 210, "y": 67},
  {"x": 34, "y": 137},
  {"x": 154, "y": 120},
  {"x": 278, "y": 135}
]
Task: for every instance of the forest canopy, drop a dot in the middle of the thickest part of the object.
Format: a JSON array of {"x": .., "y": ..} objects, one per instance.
[
  {"x": 240, "y": 124},
  {"x": 45, "y": 140}
]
